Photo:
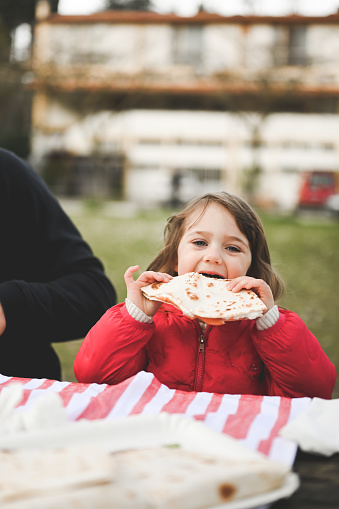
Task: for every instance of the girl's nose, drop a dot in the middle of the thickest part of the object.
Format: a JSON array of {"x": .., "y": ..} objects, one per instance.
[{"x": 213, "y": 255}]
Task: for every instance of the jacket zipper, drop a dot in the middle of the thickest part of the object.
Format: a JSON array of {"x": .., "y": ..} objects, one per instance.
[{"x": 200, "y": 361}]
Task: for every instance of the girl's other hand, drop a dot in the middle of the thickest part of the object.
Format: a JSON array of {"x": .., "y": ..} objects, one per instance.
[
  {"x": 134, "y": 293},
  {"x": 259, "y": 286}
]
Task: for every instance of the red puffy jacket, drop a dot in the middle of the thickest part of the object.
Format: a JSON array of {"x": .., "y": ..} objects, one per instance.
[{"x": 234, "y": 358}]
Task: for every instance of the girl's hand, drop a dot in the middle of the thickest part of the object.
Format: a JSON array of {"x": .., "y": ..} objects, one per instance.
[
  {"x": 2, "y": 320},
  {"x": 259, "y": 286},
  {"x": 134, "y": 293}
]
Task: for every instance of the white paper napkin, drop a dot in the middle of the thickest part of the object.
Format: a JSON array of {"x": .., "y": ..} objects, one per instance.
[
  {"x": 45, "y": 412},
  {"x": 316, "y": 430}
]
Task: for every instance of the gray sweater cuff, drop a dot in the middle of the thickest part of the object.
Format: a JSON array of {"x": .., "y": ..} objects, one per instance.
[
  {"x": 269, "y": 319},
  {"x": 262, "y": 323},
  {"x": 136, "y": 313}
]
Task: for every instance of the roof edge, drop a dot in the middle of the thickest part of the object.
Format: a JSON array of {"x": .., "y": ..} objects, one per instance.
[{"x": 146, "y": 17}]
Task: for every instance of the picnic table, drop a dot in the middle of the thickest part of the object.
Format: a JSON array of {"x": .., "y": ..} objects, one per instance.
[
  {"x": 319, "y": 487},
  {"x": 255, "y": 421}
]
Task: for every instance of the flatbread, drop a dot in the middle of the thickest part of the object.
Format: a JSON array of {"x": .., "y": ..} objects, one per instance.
[
  {"x": 30, "y": 473},
  {"x": 170, "y": 478},
  {"x": 151, "y": 478},
  {"x": 206, "y": 298}
]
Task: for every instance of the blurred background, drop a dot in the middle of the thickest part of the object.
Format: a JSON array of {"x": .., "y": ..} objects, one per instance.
[{"x": 129, "y": 108}]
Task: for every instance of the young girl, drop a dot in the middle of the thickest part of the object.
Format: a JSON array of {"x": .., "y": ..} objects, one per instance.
[{"x": 218, "y": 235}]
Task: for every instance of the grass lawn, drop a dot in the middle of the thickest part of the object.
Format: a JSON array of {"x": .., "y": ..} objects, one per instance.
[{"x": 304, "y": 251}]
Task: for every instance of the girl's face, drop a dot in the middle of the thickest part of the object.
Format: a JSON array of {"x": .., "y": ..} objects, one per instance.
[{"x": 213, "y": 244}]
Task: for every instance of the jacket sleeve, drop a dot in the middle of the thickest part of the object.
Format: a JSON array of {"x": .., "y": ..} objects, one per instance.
[
  {"x": 296, "y": 365},
  {"x": 52, "y": 287},
  {"x": 114, "y": 349}
]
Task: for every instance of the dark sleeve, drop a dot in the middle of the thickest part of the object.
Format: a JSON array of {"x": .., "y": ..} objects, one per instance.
[{"x": 52, "y": 287}]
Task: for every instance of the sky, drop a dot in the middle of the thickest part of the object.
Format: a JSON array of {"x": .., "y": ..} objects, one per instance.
[{"x": 224, "y": 7}]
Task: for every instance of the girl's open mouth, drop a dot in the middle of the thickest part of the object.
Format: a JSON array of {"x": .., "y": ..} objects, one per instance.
[{"x": 217, "y": 276}]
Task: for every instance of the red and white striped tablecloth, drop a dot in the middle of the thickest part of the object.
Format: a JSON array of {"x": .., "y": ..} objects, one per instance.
[{"x": 253, "y": 420}]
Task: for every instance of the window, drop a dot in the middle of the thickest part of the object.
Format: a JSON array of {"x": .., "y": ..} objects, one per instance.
[
  {"x": 297, "y": 46},
  {"x": 321, "y": 180},
  {"x": 150, "y": 141},
  {"x": 289, "y": 46},
  {"x": 205, "y": 175},
  {"x": 280, "y": 46},
  {"x": 187, "y": 44}
]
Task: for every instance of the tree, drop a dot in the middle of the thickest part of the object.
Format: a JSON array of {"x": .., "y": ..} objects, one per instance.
[
  {"x": 129, "y": 5},
  {"x": 16, "y": 12},
  {"x": 15, "y": 103}
]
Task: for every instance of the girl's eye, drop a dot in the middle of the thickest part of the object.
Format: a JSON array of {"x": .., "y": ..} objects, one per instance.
[
  {"x": 234, "y": 249},
  {"x": 200, "y": 242}
]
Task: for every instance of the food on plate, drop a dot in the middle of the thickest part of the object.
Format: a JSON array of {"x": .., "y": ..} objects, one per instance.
[
  {"x": 28, "y": 474},
  {"x": 150, "y": 478},
  {"x": 184, "y": 479},
  {"x": 206, "y": 298}
]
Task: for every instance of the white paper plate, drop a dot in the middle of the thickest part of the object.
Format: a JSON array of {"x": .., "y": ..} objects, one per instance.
[
  {"x": 133, "y": 432},
  {"x": 142, "y": 431},
  {"x": 290, "y": 485}
]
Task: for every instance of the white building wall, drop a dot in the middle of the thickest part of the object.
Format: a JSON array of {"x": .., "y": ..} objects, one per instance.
[
  {"x": 158, "y": 47},
  {"x": 260, "y": 39},
  {"x": 223, "y": 48},
  {"x": 157, "y": 143},
  {"x": 134, "y": 48},
  {"x": 122, "y": 48},
  {"x": 322, "y": 43}
]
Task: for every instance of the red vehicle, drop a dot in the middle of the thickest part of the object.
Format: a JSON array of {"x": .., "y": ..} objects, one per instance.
[{"x": 316, "y": 188}]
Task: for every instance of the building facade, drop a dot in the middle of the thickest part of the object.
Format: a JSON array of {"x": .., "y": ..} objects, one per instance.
[{"x": 139, "y": 104}]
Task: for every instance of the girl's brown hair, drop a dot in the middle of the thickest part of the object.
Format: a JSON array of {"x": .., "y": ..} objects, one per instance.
[{"x": 248, "y": 223}]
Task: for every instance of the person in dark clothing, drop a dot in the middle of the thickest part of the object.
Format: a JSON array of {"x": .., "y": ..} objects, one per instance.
[{"x": 52, "y": 287}]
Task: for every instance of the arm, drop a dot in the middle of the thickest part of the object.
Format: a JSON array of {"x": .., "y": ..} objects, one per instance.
[
  {"x": 114, "y": 349},
  {"x": 52, "y": 287},
  {"x": 296, "y": 364}
]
